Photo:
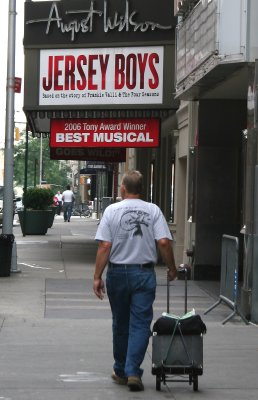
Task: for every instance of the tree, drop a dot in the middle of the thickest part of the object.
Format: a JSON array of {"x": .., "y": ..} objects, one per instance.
[{"x": 53, "y": 171}]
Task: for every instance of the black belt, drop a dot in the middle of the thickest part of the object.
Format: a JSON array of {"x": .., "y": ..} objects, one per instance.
[{"x": 147, "y": 265}]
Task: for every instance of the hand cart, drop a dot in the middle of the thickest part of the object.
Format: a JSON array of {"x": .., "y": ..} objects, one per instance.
[{"x": 179, "y": 353}]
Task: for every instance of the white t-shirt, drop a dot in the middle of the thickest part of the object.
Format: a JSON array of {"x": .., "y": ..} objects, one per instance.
[
  {"x": 58, "y": 197},
  {"x": 133, "y": 226},
  {"x": 68, "y": 196}
]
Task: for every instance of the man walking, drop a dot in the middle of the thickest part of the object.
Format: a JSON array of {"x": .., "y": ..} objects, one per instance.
[
  {"x": 68, "y": 199},
  {"x": 59, "y": 202},
  {"x": 128, "y": 233}
]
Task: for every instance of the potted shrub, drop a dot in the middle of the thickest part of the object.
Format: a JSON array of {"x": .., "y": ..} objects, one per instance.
[{"x": 35, "y": 218}]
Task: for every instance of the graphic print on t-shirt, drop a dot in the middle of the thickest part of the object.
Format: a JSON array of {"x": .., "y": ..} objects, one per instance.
[{"x": 132, "y": 220}]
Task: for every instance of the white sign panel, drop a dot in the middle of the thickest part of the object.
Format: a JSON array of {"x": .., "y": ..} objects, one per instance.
[{"x": 127, "y": 75}]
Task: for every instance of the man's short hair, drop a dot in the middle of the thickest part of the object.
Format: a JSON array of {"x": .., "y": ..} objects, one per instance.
[
  {"x": 68, "y": 187},
  {"x": 132, "y": 181}
]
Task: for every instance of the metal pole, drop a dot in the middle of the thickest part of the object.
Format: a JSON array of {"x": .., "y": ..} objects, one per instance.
[
  {"x": 26, "y": 159},
  {"x": 256, "y": 94},
  {"x": 250, "y": 157},
  {"x": 35, "y": 172},
  {"x": 97, "y": 192},
  {"x": 79, "y": 196},
  {"x": 254, "y": 304},
  {"x": 40, "y": 162},
  {"x": 9, "y": 123}
]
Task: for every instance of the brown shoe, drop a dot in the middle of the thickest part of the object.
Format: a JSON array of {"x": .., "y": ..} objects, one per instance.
[
  {"x": 118, "y": 380},
  {"x": 135, "y": 383}
]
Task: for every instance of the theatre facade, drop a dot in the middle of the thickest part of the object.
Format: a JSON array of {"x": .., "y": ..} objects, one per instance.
[{"x": 99, "y": 82}]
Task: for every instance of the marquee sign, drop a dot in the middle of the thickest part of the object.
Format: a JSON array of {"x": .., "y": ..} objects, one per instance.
[
  {"x": 97, "y": 21},
  {"x": 130, "y": 75},
  {"x": 88, "y": 154},
  {"x": 104, "y": 133},
  {"x": 100, "y": 55}
]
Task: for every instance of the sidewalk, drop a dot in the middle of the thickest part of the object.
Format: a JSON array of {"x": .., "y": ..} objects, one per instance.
[{"x": 55, "y": 335}]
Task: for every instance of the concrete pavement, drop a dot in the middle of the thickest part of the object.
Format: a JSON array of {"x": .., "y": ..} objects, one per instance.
[{"x": 55, "y": 335}]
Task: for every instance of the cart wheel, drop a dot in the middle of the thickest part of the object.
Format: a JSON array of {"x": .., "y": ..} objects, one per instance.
[
  {"x": 195, "y": 383},
  {"x": 158, "y": 382}
]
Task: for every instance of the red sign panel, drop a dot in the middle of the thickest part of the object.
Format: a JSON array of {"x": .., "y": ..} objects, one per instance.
[
  {"x": 88, "y": 154},
  {"x": 137, "y": 132},
  {"x": 17, "y": 85}
]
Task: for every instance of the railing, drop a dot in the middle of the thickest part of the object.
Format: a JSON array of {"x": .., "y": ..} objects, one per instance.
[{"x": 229, "y": 276}]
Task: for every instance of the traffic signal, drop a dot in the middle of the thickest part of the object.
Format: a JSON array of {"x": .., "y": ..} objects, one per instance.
[{"x": 17, "y": 134}]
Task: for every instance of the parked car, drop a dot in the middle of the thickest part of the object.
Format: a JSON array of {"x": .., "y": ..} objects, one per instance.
[
  {"x": 15, "y": 200},
  {"x": 18, "y": 206}
]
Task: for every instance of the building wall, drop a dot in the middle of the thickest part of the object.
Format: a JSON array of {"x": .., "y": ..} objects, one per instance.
[
  {"x": 160, "y": 160},
  {"x": 186, "y": 139},
  {"x": 252, "y": 38},
  {"x": 208, "y": 181},
  {"x": 1, "y": 166},
  {"x": 222, "y": 163},
  {"x": 218, "y": 185}
]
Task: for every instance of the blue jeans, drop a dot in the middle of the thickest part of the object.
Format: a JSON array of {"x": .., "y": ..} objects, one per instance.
[
  {"x": 67, "y": 207},
  {"x": 131, "y": 292}
]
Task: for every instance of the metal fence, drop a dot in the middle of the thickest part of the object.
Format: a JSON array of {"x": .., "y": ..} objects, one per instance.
[{"x": 229, "y": 276}]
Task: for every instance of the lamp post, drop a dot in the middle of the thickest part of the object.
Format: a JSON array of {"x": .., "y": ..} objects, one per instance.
[
  {"x": 35, "y": 172},
  {"x": 9, "y": 133},
  {"x": 40, "y": 161},
  {"x": 9, "y": 125},
  {"x": 254, "y": 305}
]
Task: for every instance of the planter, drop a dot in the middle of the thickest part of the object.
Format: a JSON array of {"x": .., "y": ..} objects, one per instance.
[
  {"x": 51, "y": 217},
  {"x": 37, "y": 221}
]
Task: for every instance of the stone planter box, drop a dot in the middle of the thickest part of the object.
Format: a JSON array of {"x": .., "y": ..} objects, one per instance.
[
  {"x": 37, "y": 221},
  {"x": 52, "y": 216}
]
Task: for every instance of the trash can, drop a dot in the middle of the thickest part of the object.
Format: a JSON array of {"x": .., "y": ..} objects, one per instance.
[{"x": 6, "y": 245}]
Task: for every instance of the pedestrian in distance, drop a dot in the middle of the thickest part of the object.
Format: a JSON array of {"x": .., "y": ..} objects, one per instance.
[
  {"x": 58, "y": 202},
  {"x": 128, "y": 234},
  {"x": 68, "y": 200}
]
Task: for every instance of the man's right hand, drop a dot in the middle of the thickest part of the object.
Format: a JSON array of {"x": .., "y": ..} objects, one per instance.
[{"x": 99, "y": 288}]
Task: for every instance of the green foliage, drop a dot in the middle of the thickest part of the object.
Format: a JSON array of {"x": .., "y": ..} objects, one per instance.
[
  {"x": 38, "y": 198},
  {"x": 54, "y": 172}
]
